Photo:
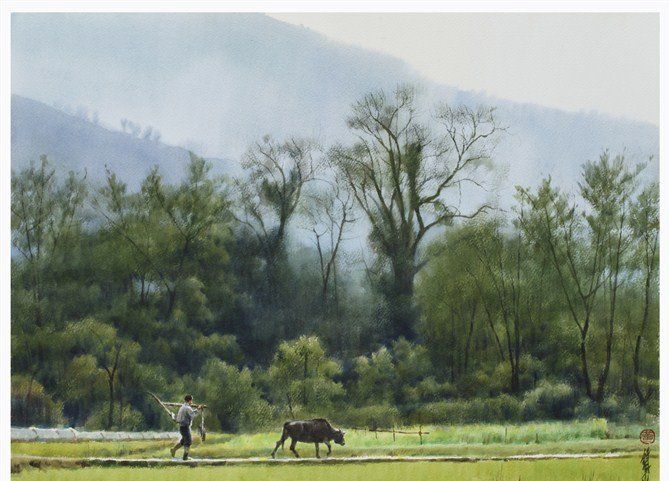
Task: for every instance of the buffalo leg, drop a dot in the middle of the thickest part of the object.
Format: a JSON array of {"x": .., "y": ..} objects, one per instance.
[
  {"x": 293, "y": 443},
  {"x": 279, "y": 443},
  {"x": 329, "y": 448},
  {"x": 316, "y": 445}
]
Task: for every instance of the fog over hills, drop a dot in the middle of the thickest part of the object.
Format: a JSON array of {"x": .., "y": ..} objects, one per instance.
[
  {"x": 217, "y": 82},
  {"x": 77, "y": 144}
]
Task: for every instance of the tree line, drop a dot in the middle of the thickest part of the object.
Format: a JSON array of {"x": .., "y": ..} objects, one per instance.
[{"x": 247, "y": 291}]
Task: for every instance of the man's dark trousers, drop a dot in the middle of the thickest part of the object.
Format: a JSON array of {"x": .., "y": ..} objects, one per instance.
[{"x": 186, "y": 440}]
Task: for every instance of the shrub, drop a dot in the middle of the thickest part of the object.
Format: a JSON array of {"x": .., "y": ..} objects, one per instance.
[
  {"x": 232, "y": 398},
  {"x": 302, "y": 370},
  {"x": 380, "y": 416},
  {"x": 530, "y": 370},
  {"x": 97, "y": 420},
  {"x": 550, "y": 401},
  {"x": 496, "y": 409},
  {"x": 476, "y": 384},
  {"x": 504, "y": 408},
  {"x": 429, "y": 390},
  {"x": 614, "y": 409},
  {"x": 125, "y": 419},
  {"x": 375, "y": 377},
  {"x": 223, "y": 347},
  {"x": 32, "y": 406}
]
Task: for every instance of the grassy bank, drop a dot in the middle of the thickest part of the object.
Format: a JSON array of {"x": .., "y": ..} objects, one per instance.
[
  {"x": 554, "y": 470},
  {"x": 591, "y": 436}
]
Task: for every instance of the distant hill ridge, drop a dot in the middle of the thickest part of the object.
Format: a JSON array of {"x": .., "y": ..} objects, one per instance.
[{"x": 73, "y": 143}]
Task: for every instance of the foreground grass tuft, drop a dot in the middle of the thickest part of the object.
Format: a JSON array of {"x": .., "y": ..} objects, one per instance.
[{"x": 546, "y": 470}]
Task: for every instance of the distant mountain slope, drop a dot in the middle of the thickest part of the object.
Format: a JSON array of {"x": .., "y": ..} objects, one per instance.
[
  {"x": 76, "y": 144},
  {"x": 220, "y": 79},
  {"x": 224, "y": 80}
]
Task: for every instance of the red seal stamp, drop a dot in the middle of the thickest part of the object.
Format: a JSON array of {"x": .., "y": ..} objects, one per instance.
[{"x": 647, "y": 436}]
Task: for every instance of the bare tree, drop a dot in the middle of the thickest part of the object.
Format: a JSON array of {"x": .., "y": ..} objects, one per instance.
[
  {"x": 329, "y": 214},
  {"x": 270, "y": 195},
  {"x": 405, "y": 177}
]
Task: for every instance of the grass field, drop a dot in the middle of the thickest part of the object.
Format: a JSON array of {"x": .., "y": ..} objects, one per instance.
[
  {"x": 627, "y": 469},
  {"x": 486, "y": 440},
  {"x": 591, "y": 436}
]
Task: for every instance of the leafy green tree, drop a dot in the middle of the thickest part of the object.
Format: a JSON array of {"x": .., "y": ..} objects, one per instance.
[
  {"x": 232, "y": 397},
  {"x": 110, "y": 352},
  {"x": 459, "y": 311},
  {"x": 82, "y": 387},
  {"x": 375, "y": 378},
  {"x": 303, "y": 375},
  {"x": 168, "y": 227},
  {"x": 645, "y": 224},
  {"x": 46, "y": 221},
  {"x": 587, "y": 250},
  {"x": 268, "y": 200},
  {"x": 31, "y": 404},
  {"x": 401, "y": 172},
  {"x": 514, "y": 281}
]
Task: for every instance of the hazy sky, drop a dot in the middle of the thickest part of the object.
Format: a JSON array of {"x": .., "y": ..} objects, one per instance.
[{"x": 604, "y": 62}]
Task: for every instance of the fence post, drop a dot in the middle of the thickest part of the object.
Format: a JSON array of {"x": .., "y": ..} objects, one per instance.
[
  {"x": 394, "y": 434},
  {"x": 420, "y": 434}
]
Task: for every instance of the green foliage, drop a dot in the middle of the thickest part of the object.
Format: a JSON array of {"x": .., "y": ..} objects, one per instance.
[
  {"x": 232, "y": 398},
  {"x": 550, "y": 400},
  {"x": 375, "y": 377},
  {"x": 401, "y": 169},
  {"x": 302, "y": 375},
  {"x": 371, "y": 417},
  {"x": 549, "y": 313},
  {"x": 30, "y": 404},
  {"x": 497, "y": 409}
]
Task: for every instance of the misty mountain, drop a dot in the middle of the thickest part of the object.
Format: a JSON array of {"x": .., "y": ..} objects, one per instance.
[
  {"x": 217, "y": 82},
  {"x": 77, "y": 144}
]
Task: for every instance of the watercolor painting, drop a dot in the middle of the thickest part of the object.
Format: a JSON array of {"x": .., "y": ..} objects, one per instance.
[{"x": 372, "y": 246}]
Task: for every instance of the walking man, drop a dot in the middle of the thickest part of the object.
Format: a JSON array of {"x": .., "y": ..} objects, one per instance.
[{"x": 185, "y": 417}]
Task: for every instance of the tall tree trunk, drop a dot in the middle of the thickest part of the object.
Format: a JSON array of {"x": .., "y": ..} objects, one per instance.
[
  {"x": 602, "y": 380},
  {"x": 585, "y": 365},
  {"x": 489, "y": 318},
  {"x": 401, "y": 300},
  {"x": 110, "y": 417},
  {"x": 336, "y": 294},
  {"x": 641, "y": 396},
  {"x": 468, "y": 340},
  {"x": 452, "y": 361},
  {"x": 614, "y": 287}
]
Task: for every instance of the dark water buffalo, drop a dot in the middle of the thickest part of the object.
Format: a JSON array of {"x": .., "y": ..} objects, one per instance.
[{"x": 313, "y": 431}]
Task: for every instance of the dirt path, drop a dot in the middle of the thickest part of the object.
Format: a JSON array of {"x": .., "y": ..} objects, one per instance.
[{"x": 20, "y": 461}]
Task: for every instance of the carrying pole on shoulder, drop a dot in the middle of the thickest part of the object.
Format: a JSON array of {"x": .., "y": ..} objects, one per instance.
[{"x": 162, "y": 404}]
